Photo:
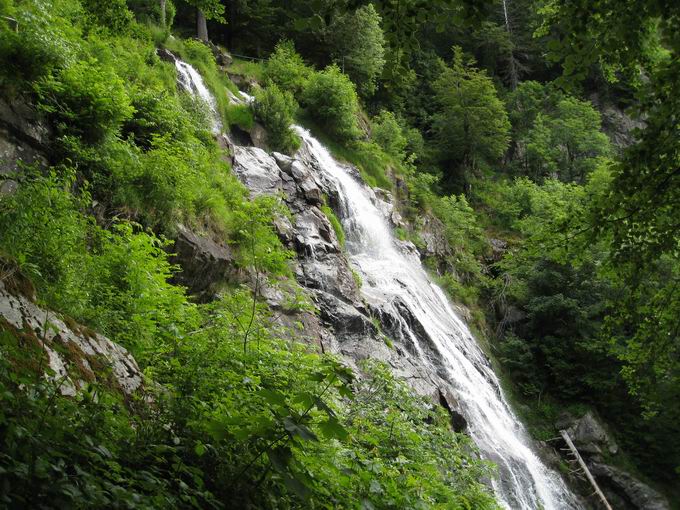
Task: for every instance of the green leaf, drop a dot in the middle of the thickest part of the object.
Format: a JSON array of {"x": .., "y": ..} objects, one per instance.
[
  {"x": 332, "y": 429},
  {"x": 273, "y": 397},
  {"x": 280, "y": 458},
  {"x": 299, "y": 430},
  {"x": 200, "y": 449}
]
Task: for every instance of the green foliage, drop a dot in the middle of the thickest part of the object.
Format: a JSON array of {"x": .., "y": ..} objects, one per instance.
[
  {"x": 331, "y": 99},
  {"x": 286, "y": 69},
  {"x": 471, "y": 126},
  {"x": 42, "y": 44},
  {"x": 241, "y": 115},
  {"x": 276, "y": 110},
  {"x": 567, "y": 143},
  {"x": 150, "y": 11},
  {"x": 116, "y": 281},
  {"x": 252, "y": 70},
  {"x": 388, "y": 133},
  {"x": 112, "y": 15},
  {"x": 359, "y": 46},
  {"x": 335, "y": 223},
  {"x": 86, "y": 100}
]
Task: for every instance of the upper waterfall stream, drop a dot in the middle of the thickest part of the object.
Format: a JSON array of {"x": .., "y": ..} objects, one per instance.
[{"x": 393, "y": 274}]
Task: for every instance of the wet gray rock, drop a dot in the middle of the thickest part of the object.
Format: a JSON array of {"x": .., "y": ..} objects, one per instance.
[
  {"x": 344, "y": 324},
  {"x": 625, "y": 491},
  {"x": 24, "y": 140},
  {"x": 75, "y": 354},
  {"x": 432, "y": 233},
  {"x": 166, "y": 55},
  {"x": 205, "y": 264},
  {"x": 258, "y": 135},
  {"x": 222, "y": 58},
  {"x": 450, "y": 403},
  {"x": 588, "y": 433},
  {"x": 257, "y": 170}
]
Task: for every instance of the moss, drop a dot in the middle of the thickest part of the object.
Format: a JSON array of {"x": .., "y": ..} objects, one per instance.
[
  {"x": 335, "y": 223},
  {"x": 23, "y": 347}
]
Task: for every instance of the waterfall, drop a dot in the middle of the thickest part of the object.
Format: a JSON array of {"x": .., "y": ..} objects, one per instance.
[
  {"x": 393, "y": 277},
  {"x": 192, "y": 81}
]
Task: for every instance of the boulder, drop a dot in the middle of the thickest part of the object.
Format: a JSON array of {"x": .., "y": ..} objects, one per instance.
[
  {"x": 450, "y": 403},
  {"x": 258, "y": 135},
  {"x": 588, "y": 433},
  {"x": 257, "y": 170},
  {"x": 206, "y": 265},
  {"x": 166, "y": 55},
  {"x": 626, "y": 490},
  {"x": 222, "y": 58},
  {"x": 75, "y": 354}
]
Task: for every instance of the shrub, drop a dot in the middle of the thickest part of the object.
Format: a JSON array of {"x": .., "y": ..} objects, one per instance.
[
  {"x": 240, "y": 115},
  {"x": 41, "y": 45},
  {"x": 85, "y": 99},
  {"x": 112, "y": 15},
  {"x": 287, "y": 69},
  {"x": 331, "y": 99},
  {"x": 276, "y": 110},
  {"x": 387, "y": 133}
]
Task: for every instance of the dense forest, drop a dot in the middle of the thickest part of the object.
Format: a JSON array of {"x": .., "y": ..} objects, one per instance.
[{"x": 543, "y": 136}]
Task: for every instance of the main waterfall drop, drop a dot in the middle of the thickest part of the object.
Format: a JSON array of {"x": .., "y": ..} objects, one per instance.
[
  {"x": 395, "y": 283},
  {"x": 392, "y": 273}
]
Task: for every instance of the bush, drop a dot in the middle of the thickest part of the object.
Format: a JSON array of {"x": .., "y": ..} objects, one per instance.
[
  {"x": 387, "y": 133},
  {"x": 40, "y": 46},
  {"x": 240, "y": 115},
  {"x": 331, "y": 99},
  {"x": 287, "y": 69},
  {"x": 276, "y": 110},
  {"x": 85, "y": 99},
  {"x": 112, "y": 15}
]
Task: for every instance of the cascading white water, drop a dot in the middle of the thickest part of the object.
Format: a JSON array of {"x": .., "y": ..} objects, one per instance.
[
  {"x": 391, "y": 274},
  {"x": 192, "y": 81}
]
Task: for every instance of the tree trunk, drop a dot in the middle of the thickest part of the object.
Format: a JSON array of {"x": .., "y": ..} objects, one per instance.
[
  {"x": 201, "y": 26},
  {"x": 514, "y": 78},
  {"x": 163, "y": 20}
]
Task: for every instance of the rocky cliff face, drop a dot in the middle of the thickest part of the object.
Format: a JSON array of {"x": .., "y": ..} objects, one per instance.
[
  {"x": 344, "y": 324},
  {"x": 74, "y": 354},
  {"x": 24, "y": 140}
]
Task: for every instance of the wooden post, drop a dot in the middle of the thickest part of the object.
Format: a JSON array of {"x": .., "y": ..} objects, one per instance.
[{"x": 592, "y": 481}]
